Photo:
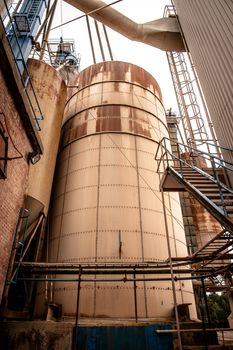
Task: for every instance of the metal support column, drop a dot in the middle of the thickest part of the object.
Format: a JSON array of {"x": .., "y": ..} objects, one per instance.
[
  {"x": 135, "y": 296},
  {"x": 172, "y": 273},
  {"x": 75, "y": 342}
]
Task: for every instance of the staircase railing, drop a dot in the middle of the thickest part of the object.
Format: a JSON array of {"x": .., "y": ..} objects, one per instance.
[
  {"x": 189, "y": 157},
  {"x": 183, "y": 163},
  {"x": 196, "y": 158}
]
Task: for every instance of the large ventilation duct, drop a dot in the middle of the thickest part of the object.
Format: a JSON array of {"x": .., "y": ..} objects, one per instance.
[{"x": 162, "y": 33}]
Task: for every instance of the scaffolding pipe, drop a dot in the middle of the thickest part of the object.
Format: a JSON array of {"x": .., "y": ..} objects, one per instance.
[
  {"x": 100, "y": 42},
  {"x": 135, "y": 297},
  {"x": 107, "y": 41},
  {"x": 75, "y": 347},
  {"x": 124, "y": 279},
  {"x": 163, "y": 331},
  {"x": 44, "y": 22},
  {"x": 114, "y": 272},
  {"x": 38, "y": 249},
  {"x": 172, "y": 273},
  {"x": 45, "y": 27},
  {"x": 46, "y": 35},
  {"x": 90, "y": 38},
  {"x": 45, "y": 267}
]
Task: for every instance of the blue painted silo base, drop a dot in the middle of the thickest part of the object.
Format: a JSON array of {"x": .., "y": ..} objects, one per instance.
[{"x": 123, "y": 338}]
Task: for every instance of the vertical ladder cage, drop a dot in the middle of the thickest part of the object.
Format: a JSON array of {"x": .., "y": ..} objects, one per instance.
[{"x": 196, "y": 126}]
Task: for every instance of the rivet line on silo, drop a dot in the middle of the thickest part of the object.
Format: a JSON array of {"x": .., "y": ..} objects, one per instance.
[{"x": 107, "y": 231}]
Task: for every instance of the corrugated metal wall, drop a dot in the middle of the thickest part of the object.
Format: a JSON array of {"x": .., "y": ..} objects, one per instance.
[
  {"x": 208, "y": 29},
  {"x": 131, "y": 338}
]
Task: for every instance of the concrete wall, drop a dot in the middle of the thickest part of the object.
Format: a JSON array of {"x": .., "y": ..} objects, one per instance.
[{"x": 38, "y": 335}]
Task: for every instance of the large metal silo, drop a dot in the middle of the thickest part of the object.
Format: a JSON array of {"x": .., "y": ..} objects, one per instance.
[
  {"x": 51, "y": 93},
  {"x": 106, "y": 205}
]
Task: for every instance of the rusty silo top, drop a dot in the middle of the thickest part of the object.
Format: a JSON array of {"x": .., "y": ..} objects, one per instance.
[{"x": 108, "y": 91}]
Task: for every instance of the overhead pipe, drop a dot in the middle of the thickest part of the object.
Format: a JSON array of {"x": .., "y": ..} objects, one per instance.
[{"x": 162, "y": 33}]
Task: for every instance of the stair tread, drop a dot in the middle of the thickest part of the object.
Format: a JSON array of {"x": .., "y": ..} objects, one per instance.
[
  {"x": 192, "y": 178},
  {"x": 203, "y": 186},
  {"x": 207, "y": 185},
  {"x": 200, "y": 180},
  {"x": 217, "y": 191},
  {"x": 225, "y": 194}
]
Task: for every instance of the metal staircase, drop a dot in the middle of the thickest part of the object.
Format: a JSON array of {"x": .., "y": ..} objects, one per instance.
[
  {"x": 207, "y": 187},
  {"x": 214, "y": 197},
  {"x": 19, "y": 27},
  {"x": 34, "y": 9}
]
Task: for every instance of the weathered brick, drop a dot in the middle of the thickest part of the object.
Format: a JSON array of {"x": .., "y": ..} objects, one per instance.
[{"x": 12, "y": 189}]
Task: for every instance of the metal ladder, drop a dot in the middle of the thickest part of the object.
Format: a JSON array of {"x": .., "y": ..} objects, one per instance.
[
  {"x": 18, "y": 244},
  {"x": 34, "y": 9}
]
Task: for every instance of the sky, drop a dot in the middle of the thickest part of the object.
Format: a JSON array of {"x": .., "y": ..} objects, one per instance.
[{"x": 151, "y": 59}]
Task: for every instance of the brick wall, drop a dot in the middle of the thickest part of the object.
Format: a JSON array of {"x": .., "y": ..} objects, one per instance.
[{"x": 12, "y": 189}]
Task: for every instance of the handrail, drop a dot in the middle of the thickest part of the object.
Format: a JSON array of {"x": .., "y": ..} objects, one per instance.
[
  {"x": 28, "y": 79},
  {"x": 194, "y": 151},
  {"x": 213, "y": 159},
  {"x": 213, "y": 144},
  {"x": 199, "y": 171}
]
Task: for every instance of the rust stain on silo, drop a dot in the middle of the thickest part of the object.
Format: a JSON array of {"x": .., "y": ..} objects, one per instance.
[
  {"x": 111, "y": 97},
  {"x": 46, "y": 90},
  {"x": 204, "y": 223},
  {"x": 78, "y": 131},
  {"x": 137, "y": 124},
  {"x": 108, "y": 118},
  {"x": 119, "y": 71}
]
